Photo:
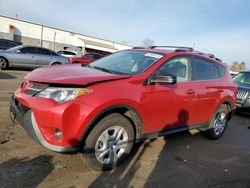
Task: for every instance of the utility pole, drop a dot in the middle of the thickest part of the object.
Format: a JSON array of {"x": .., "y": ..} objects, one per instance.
[{"x": 41, "y": 39}]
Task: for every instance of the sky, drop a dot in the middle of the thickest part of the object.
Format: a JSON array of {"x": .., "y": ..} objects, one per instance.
[{"x": 221, "y": 27}]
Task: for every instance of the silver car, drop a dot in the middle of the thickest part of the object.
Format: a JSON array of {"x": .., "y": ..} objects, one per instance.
[{"x": 29, "y": 56}]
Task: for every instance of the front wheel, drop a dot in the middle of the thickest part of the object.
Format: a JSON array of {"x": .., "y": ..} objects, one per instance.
[
  {"x": 3, "y": 63},
  {"x": 109, "y": 143},
  {"x": 218, "y": 123}
]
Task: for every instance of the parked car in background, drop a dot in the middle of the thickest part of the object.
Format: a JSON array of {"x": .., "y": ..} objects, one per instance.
[
  {"x": 233, "y": 73},
  {"x": 103, "y": 108},
  {"x": 243, "y": 96},
  {"x": 29, "y": 57},
  {"x": 87, "y": 58},
  {"x": 69, "y": 53},
  {"x": 6, "y": 44}
]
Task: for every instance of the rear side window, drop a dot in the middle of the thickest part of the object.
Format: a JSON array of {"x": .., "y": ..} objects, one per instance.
[
  {"x": 53, "y": 53},
  {"x": 97, "y": 56},
  {"x": 89, "y": 56},
  {"x": 66, "y": 53},
  {"x": 221, "y": 70},
  {"x": 203, "y": 69},
  {"x": 43, "y": 51},
  {"x": 28, "y": 50}
]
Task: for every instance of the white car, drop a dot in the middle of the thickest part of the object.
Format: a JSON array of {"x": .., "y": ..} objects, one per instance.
[{"x": 68, "y": 53}]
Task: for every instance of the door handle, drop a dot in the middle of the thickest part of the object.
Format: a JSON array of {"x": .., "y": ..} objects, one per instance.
[
  {"x": 216, "y": 91},
  {"x": 190, "y": 92}
]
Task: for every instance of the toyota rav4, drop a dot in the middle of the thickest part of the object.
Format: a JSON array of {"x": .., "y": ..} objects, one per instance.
[{"x": 102, "y": 109}]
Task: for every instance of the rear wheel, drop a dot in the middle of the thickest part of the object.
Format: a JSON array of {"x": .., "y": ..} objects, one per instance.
[
  {"x": 56, "y": 63},
  {"x": 3, "y": 63},
  {"x": 109, "y": 143},
  {"x": 218, "y": 123}
]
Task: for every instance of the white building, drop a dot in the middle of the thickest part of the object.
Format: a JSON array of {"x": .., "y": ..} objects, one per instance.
[{"x": 53, "y": 38}]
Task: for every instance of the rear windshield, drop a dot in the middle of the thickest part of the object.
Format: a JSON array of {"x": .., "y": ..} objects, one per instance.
[{"x": 128, "y": 62}]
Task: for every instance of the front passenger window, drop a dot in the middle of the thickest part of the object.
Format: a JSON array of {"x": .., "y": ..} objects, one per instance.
[
  {"x": 28, "y": 50},
  {"x": 175, "y": 67}
]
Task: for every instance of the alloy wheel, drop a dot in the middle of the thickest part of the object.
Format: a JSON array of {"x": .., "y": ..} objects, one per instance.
[{"x": 111, "y": 145}]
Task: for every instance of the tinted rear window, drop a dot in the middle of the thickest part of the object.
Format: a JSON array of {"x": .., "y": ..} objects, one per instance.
[{"x": 203, "y": 69}]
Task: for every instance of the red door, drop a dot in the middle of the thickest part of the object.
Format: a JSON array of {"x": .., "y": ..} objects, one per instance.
[
  {"x": 169, "y": 106},
  {"x": 208, "y": 86},
  {"x": 166, "y": 105}
]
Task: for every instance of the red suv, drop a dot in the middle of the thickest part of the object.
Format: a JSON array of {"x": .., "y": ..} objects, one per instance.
[
  {"x": 103, "y": 108},
  {"x": 87, "y": 58}
]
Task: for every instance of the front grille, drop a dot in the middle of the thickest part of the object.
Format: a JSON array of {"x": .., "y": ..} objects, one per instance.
[
  {"x": 242, "y": 94},
  {"x": 21, "y": 108}
]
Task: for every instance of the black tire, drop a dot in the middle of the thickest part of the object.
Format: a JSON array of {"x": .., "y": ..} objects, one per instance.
[
  {"x": 3, "y": 64},
  {"x": 95, "y": 140},
  {"x": 220, "y": 117}
]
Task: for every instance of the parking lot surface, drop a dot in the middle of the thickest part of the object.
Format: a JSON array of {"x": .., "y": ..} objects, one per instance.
[{"x": 179, "y": 160}]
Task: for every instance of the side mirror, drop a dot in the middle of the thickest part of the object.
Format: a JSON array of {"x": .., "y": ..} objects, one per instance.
[
  {"x": 18, "y": 51},
  {"x": 163, "y": 80}
]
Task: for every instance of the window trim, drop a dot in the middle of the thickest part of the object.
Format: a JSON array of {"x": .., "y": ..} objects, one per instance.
[
  {"x": 147, "y": 81},
  {"x": 29, "y": 47},
  {"x": 37, "y": 50}
]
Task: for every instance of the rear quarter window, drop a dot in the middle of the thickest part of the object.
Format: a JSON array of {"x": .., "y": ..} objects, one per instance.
[
  {"x": 221, "y": 70},
  {"x": 203, "y": 69}
]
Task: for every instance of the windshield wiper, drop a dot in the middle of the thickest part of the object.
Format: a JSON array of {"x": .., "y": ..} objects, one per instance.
[{"x": 102, "y": 69}]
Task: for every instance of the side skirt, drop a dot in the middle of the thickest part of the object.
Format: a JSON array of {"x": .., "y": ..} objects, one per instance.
[{"x": 175, "y": 130}]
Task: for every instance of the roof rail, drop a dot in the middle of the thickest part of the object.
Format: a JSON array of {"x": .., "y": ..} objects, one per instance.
[
  {"x": 209, "y": 55},
  {"x": 181, "y": 49},
  {"x": 177, "y": 48}
]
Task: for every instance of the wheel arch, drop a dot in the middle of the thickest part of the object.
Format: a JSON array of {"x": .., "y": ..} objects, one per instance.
[
  {"x": 5, "y": 59},
  {"x": 55, "y": 63},
  {"x": 129, "y": 112},
  {"x": 230, "y": 107}
]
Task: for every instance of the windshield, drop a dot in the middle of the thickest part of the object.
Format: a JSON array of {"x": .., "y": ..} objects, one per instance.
[
  {"x": 127, "y": 62},
  {"x": 243, "y": 77},
  {"x": 14, "y": 48}
]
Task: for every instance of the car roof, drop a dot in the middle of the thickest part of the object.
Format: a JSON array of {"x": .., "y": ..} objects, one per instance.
[
  {"x": 96, "y": 53},
  {"x": 10, "y": 41},
  {"x": 182, "y": 50},
  {"x": 21, "y": 46},
  {"x": 161, "y": 51},
  {"x": 67, "y": 51}
]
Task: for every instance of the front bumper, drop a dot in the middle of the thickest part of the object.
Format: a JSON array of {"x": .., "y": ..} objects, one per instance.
[
  {"x": 28, "y": 121},
  {"x": 243, "y": 103}
]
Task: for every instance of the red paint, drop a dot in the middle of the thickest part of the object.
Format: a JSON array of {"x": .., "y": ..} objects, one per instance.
[
  {"x": 87, "y": 58},
  {"x": 160, "y": 106}
]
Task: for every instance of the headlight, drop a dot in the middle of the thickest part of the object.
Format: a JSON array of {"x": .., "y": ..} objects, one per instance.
[{"x": 62, "y": 95}]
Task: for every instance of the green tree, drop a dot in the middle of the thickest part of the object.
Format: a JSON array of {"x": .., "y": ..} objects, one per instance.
[
  {"x": 148, "y": 42},
  {"x": 242, "y": 66},
  {"x": 234, "y": 66}
]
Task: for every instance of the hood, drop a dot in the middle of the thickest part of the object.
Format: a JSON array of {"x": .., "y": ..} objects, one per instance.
[
  {"x": 71, "y": 74},
  {"x": 243, "y": 86}
]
